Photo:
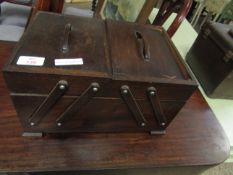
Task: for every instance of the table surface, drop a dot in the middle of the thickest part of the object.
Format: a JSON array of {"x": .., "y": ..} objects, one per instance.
[{"x": 195, "y": 137}]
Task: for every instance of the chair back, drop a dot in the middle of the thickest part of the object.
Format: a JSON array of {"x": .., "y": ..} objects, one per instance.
[
  {"x": 125, "y": 10},
  {"x": 181, "y": 7}
]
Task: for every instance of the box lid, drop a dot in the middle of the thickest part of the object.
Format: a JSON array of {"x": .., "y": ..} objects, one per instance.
[
  {"x": 56, "y": 37},
  {"x": 110, "y": 51},
  {"x": 143, "y": 52}
]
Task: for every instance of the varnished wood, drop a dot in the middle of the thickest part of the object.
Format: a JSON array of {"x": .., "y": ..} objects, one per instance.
[
  {"x": 50, "y": 5},
  {"x": 146, "y": 10},
  {"x": 194, "y": 138},
  {"x": 107, "y": 62}
]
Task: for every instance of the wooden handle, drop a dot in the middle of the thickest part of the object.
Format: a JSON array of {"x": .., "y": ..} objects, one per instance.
[
  {"x": 156, "y": 106},
  {"x": 133, "y": 105},
  {"x": 55, "y": 94},
  {"x": 80, "y": 101},
  {"x": 143, "y": 47},
  {"x": 67, "y": 30}
]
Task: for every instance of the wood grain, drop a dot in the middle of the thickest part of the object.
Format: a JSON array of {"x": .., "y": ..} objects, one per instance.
[
  {"x": 194, "y": 138},
  {"x": 108, "y": 62}
]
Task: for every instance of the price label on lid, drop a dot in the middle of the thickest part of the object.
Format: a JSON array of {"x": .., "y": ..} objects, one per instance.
[
  {"x": 30, "y": 61},
  {"x": 68, "y": 61}
]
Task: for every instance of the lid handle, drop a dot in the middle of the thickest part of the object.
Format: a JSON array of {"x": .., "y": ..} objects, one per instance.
[
  {"x": 65, "y": 45},
  {"x": 143, "y": 47}
]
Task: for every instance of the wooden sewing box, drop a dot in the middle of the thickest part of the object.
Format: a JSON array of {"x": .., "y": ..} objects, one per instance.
[{"x": 130, "y": 79}]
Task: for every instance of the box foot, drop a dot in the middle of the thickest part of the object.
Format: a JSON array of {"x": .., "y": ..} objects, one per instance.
[
  {"x": 157, "y": 132},
  {"x": 32, "y": 134}
]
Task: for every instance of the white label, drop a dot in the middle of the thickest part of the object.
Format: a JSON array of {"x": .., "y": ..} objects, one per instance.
[
  {"x": 68, "y": 61},
  {"x": 30, "y": 61}
]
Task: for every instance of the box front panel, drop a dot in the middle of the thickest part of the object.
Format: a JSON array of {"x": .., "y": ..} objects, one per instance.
[
  {"x": 99, "y": 115},
  {"x": 44, "y": 83}
]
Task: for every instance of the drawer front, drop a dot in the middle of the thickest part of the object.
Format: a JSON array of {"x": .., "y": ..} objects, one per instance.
[
  {"x": 98, "y": 115},
  {"x": 44, "y": 83}
]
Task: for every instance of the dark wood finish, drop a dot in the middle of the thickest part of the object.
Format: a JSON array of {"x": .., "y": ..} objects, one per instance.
[
  {"x": 164, "y": 61},
  {"x": 50, "y": 5},
  {"x": 143, "y": 15},
  {"x": 211, "y": 59},
  {"x": 145, "y": 11},
  {"x": 108, "y": 63},
  {"x": 194, "y": 138},
  {"x": 112, "y": 116},
  {"x": 133, "y": 105},
  {"x": 156, "y": 106},
  {"x": 194, "y": 121},
  {"x": 181, "y": 7},
  {"x": 56, "y": 93},
  {"x": 78, "y": 103}
]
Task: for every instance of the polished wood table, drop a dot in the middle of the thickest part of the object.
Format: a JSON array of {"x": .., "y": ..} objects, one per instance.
[{"x": 194, "y": 138}]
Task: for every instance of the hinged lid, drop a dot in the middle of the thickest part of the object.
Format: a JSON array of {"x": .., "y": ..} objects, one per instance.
[
  {"x": 56, "y": 37},
  {"x": 142, "y": 53},
  {"x": 109, "y": 51}
]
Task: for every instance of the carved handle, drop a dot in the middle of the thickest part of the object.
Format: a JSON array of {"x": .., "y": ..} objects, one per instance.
[
  {"x": 143, "y": 47},
  {"x": 65, "y": 46}
]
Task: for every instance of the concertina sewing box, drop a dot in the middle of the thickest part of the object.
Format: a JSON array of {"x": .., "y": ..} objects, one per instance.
[{"x": 75, "y": 74}]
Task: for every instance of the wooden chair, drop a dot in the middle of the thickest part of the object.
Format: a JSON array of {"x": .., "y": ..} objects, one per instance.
[
  {"x": 50, "y": 5},
  {"x": 181, "y": 7},
  {"x": 144, "y": 10}
]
